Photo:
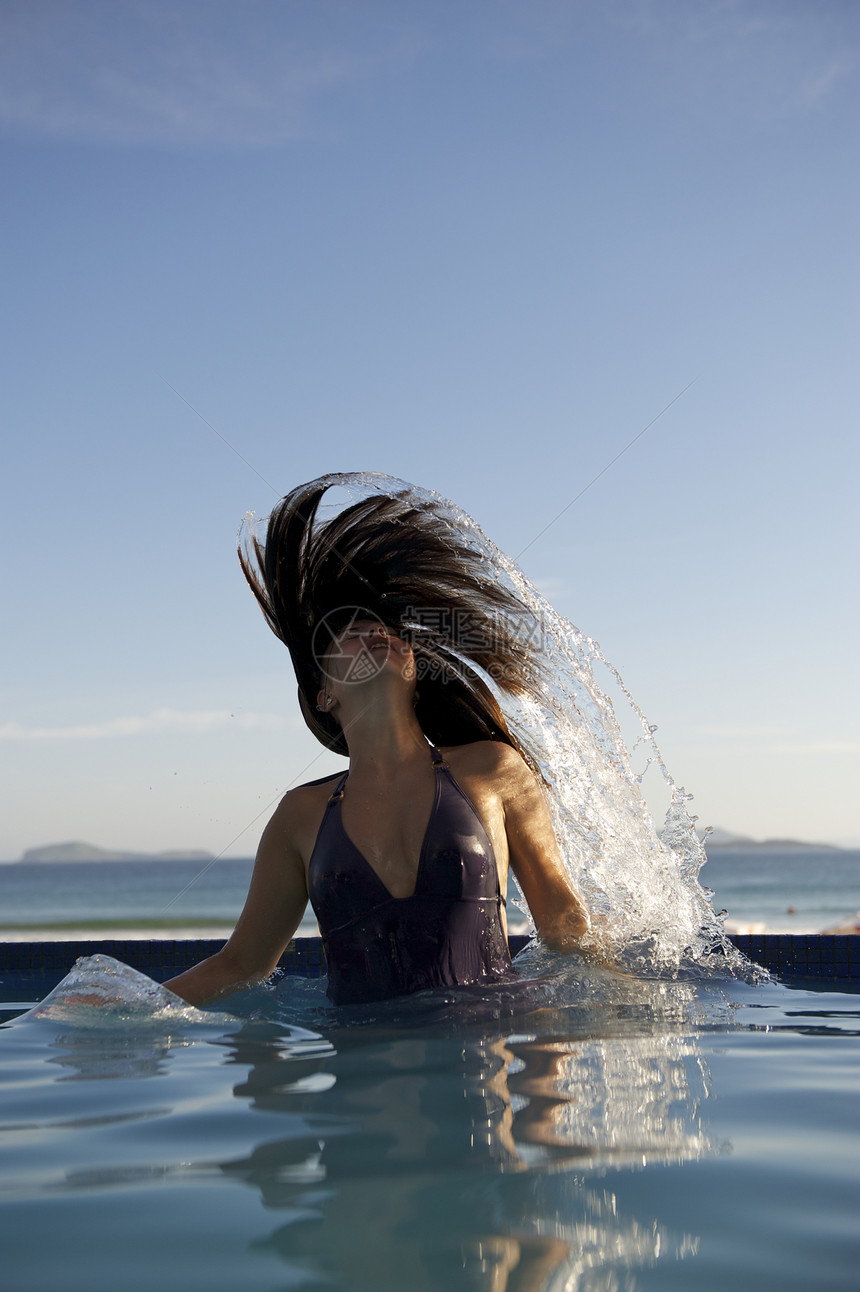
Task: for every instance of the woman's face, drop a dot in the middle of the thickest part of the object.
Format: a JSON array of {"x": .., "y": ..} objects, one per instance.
[{"x": 362, "y": 650}]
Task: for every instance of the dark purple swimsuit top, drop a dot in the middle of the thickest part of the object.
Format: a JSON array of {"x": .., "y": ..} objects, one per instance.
[{"x": 447, "y": 933}]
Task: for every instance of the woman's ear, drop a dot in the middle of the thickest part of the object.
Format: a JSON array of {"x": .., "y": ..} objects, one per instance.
[{"x": 324, "y": 701}]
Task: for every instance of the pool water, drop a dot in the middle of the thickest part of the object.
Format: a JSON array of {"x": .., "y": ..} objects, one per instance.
[{"x": 598, "y": 1132}]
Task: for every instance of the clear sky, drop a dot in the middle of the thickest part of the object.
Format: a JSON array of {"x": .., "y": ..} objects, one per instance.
[{"x": 475, "y": 245}]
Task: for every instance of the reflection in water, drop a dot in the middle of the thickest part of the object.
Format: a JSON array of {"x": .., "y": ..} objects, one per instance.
[
  {"x": 98, "y": 1057},
  {"x": 434, "y": 1161},
  {"x": 453, "y": 1154}
]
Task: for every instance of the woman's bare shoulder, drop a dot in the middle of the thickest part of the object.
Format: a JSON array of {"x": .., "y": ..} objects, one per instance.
[
  {"x": 490, "y": 758},
  {"x": 305, "y": 802}
]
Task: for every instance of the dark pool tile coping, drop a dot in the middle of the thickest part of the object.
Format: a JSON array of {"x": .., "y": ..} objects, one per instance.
[{"x": 36, "y": 967}]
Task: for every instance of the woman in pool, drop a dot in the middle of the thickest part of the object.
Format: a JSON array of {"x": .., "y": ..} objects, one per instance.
[{"x": 391, "y": 617}]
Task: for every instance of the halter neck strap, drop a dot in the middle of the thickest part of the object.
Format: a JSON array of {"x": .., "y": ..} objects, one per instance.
[{"x": 337, "y": 792}]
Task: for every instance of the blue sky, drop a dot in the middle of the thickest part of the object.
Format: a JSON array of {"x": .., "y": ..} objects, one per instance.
[{"x": 475, "y": 245}]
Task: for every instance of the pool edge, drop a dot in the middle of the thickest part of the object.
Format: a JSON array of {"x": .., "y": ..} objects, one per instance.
[{"x": 834, "y": 957}]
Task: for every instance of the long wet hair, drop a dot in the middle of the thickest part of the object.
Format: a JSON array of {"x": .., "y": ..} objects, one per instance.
[{"x": 395, "y": 557}]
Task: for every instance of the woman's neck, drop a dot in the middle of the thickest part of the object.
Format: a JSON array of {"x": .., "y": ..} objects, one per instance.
[{"x": 381, "y": 742}]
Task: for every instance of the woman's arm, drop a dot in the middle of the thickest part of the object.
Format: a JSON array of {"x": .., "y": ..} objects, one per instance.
[
  {"x": 273, "y": 910},
  {"x": 559, "y": 913}
]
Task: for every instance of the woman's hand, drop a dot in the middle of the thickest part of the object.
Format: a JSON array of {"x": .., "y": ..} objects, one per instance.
[{"x": 565, "y": 932}]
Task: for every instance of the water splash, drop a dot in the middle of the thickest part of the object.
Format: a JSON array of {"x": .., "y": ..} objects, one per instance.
[
  {"x": 100, "y": 991},
  {"x": 649, "y": 910}
]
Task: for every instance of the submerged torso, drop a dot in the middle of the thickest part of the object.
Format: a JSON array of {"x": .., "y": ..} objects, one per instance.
[{"x": 448, "y": 932}]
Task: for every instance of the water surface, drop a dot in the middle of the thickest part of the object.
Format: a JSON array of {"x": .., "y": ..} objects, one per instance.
[{"x": 626, "y": 1134}]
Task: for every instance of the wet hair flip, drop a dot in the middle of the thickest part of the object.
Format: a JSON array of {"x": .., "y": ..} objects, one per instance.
[{"x": 397, "y": 556}]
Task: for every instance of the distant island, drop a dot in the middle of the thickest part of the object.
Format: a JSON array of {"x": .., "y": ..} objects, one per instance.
[
  {"x": 718, "y": 840},
  {"x": 724, "y": 839},
  {"x": 89, "y": 852}
]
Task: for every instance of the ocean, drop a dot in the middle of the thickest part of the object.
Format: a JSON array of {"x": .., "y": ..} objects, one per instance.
[
  {"x": 762, "y": 890},
  {"x": 790, "y": 891}
]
